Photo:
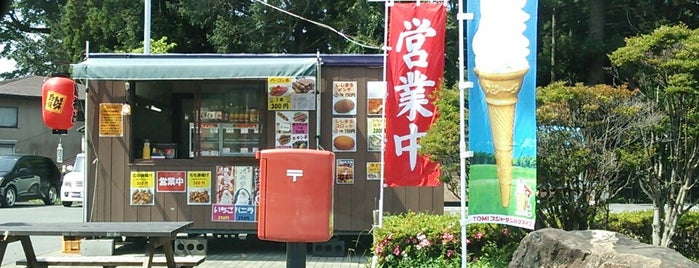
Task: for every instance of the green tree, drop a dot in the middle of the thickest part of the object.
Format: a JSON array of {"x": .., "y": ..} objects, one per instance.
[
  {"x": 442, "y": 140},
  {"x": 575, "y": 36},
  {"x": 583, "y": 135},
  {"x": 25, "y": 31},
  {"x": 664, "y": 67},
  {"x": 209, "y": 26}
]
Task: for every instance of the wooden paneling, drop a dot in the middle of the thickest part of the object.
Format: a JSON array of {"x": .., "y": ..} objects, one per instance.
[
  {"x": 353, "y": 203},
  {"x": 364, "y": 195}
]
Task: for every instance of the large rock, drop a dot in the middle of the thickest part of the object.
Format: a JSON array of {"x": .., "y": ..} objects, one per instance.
[{"x": 555, "y": 248}]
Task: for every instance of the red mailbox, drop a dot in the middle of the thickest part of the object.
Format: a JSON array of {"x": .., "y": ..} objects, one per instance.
[{"x": 296, "y": 195}]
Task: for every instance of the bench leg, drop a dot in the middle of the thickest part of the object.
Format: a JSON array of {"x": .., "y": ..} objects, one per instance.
[{"x": 3, "y": 247}]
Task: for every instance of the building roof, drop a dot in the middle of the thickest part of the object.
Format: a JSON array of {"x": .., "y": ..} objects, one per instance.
[
  {"x": 211, "y": 66},
  {"x": 29, "y": 86}
]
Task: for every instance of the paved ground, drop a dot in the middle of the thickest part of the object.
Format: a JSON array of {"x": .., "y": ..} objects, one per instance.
[{"x": 230, "y": 252}]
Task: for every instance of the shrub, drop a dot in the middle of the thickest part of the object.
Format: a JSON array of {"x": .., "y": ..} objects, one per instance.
[
  {"x": 428, "y": 240},
  {"x": 638, "y": 225}
]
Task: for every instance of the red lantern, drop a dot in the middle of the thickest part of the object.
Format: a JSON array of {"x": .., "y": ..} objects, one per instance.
[{"x": 59, "y": 96}]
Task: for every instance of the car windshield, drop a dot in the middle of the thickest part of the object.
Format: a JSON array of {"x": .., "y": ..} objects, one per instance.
[
  {"x": 79, "y": 164},
  {"x": 6, "y": 164}
]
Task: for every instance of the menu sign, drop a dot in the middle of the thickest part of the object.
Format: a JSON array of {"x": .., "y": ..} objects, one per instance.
[
  {"x": 373, "y": 171},
  {"x": 344, "y": 134},
  {"x": 291, "y": 129},
  {"x": 235, "y": 194},
  {"x": 220, "y": 212},
  {"x": 111, "y": 121},
  {"x": 344, "y": 171},
  {"x": 291, "y": 93},
  {"x": 142, "y": 188},
  {"x": 375, "y": 128},
  {"x": 345, "y": 98},
  {"x": 198, "y": 187},
  {"x": 375, "y": 91}
]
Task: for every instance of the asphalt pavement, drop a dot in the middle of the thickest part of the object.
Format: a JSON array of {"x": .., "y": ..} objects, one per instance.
[{"x": 221, "y": 252}]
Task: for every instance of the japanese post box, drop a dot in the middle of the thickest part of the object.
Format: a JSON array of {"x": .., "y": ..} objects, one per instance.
[{"x": 296, "y": 195}]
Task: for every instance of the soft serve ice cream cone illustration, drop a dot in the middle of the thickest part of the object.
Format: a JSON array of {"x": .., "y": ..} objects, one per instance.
[{"x": 501, "y": 51}]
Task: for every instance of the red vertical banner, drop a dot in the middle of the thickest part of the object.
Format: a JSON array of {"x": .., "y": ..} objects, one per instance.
[{"x": 414, "y": 70}]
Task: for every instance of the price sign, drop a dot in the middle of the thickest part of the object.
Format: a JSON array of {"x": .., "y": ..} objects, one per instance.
[
  {"x": 300, "y": 128},
  {"x": 142, "y": 179},
  {"x": 279, "y": 103}
]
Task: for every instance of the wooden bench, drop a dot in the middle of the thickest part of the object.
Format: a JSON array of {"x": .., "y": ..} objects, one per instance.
[{"x": 112, "y": 261}]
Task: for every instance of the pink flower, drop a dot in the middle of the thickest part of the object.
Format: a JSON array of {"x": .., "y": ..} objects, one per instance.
[
  {"x": 506, "y": 231},
  {"x": 468, "y": 241},
  {"x": 378, "y": 250},
  {"x": 423, "y": 241},
  {"x": 450, "y": 253},
  {"x": 479, "y": 235},
  {"x": 396, "y": 250},
  {"x": 447, "y": 237}
]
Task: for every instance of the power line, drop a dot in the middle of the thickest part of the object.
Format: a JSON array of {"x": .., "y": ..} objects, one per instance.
[{"x": 321, "y": 25}]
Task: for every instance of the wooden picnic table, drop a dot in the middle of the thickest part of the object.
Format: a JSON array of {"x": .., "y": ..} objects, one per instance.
[{"x": 159, "y": 234}]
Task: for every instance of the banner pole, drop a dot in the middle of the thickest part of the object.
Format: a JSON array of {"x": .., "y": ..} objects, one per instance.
[
  {"x": 385, "y": 49},
  {"x": 463, "y": 85}
]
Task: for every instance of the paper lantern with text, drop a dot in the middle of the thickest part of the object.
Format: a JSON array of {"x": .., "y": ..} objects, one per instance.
[{"x": 58, "y": 101}]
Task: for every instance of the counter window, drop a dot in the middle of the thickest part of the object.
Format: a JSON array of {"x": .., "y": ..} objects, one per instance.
[{"x": 211, "y": 118}]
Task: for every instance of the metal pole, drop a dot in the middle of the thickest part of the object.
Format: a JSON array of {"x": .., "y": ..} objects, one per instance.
[
  {"x": 463, "y": 85},
  {"x": 383, "y": 111},
  {"x": 295, "y": 254},
  {"x": 146, "y": 28}
]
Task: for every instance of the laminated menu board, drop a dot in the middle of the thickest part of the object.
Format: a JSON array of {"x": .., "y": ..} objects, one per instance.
[
  {"x": 344, "y": 98},
  {"x": 199, "y": 188},
  {"x": 373, "y": 171},
  {"x": 375, "y": 132},
  {"x": 376, "y": 92},
  {"x": 142, "y": 188},
  {"x": 291, "y": 93},
  {"x": 344, "y": 134},
  {"x": 236, "y": 192},
  {"x": 344, "y": 171},
  {"x": 291, "y": 130}
]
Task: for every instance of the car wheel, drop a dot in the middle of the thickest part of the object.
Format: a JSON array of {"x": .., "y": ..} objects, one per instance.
[
  {"x": 9, "y": 197},
  {"x": 67, "y": 204},
  {"x": 51, "y": 196}
]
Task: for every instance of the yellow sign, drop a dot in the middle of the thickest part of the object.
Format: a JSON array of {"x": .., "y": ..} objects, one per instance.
[
  {"x": 279, "y": 103},
  {"x": 279, "y": 91},
  {"x": 55, "y": 102},
  {"x": 199, "y": 179},
  {"x": 111, "y": 121},
  {"x": 142, "y": 179}
]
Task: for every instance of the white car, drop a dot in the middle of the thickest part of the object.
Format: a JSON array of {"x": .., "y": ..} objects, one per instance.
[{"x": 72, "y": 189}]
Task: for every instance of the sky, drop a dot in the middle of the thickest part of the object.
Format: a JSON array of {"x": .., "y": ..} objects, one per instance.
[{"x": 6, "y": 65}]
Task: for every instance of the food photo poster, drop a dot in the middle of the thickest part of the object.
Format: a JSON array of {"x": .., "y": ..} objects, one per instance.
[{"x": 142, "y": 188}]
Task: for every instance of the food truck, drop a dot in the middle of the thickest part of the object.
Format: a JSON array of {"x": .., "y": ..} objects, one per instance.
[{"x": 173, "y": 137}]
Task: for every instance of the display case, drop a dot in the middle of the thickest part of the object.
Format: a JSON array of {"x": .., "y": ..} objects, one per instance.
[
  {"x": 224, "y": 139},
  {"x": 227, "y": 121}
]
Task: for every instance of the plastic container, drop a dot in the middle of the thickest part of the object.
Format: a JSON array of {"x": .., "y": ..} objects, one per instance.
[{"x": 146, "y": 149}]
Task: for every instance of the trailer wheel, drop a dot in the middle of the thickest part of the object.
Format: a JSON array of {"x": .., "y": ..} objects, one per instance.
[{"x": 67, "y": 204}]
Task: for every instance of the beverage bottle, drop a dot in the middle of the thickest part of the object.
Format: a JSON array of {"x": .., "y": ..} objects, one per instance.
[{"x": 146, "y": 149}]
